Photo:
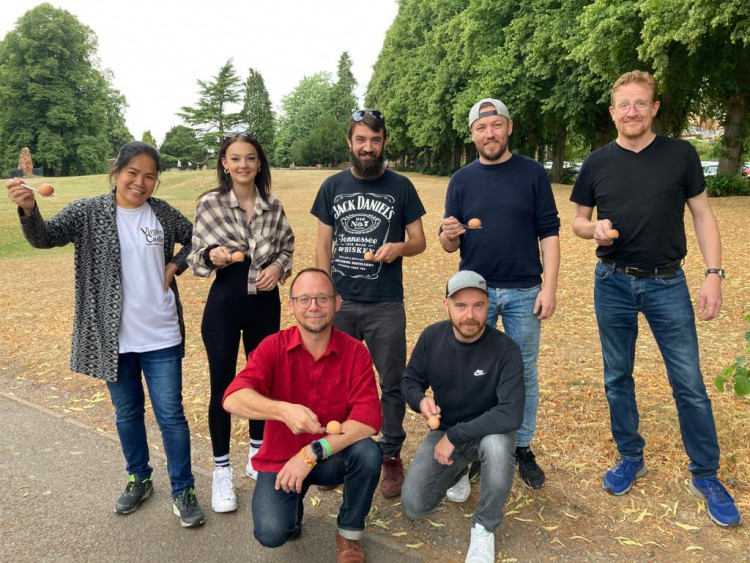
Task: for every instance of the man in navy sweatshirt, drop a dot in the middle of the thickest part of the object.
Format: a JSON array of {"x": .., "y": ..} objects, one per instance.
[
  {"x": 476, "y": 375},
  {"x": 511, "y": 196}
]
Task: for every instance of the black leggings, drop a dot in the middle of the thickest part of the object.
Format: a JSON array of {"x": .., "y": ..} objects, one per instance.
[{"x": 229, "y": 312}]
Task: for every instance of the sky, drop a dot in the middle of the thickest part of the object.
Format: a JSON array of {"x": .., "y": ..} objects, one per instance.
[{"x": 159, "y": 49}]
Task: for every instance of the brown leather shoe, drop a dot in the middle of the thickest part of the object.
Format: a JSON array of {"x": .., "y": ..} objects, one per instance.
[
  {"x": 349, "y": 551},
  {"x": 393, "y": 477}
]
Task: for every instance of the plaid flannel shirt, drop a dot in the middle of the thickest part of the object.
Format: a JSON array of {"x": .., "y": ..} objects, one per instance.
[{"x": 266, "y": 239}]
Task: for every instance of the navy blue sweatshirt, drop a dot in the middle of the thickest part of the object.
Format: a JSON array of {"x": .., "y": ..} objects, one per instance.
[{"x": 515, "y": 203}]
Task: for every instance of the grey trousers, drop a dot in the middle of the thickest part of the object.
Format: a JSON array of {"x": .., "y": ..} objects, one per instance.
[
  {"x": 382, "y": 326},
  {"x": 427, "y": 480}
]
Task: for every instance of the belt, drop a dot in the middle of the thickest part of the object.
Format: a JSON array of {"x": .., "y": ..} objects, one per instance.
[{"x": 666, "y": 271}]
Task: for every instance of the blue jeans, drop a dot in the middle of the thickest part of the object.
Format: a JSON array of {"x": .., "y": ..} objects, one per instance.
[
  {"x": 382, "y": 325},
  {"x": 278, "y": 515},
  {"x": 667, "y": 307},
  {"x": 162, "y": 370},
  {"x": 516, "y": 307},
  {"x": 427, "y": 480}
]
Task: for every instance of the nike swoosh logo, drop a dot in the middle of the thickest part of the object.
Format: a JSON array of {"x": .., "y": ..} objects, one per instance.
[{"x": 479, "y": 372}]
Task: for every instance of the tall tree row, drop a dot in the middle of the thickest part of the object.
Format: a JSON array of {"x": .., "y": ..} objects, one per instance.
[
  {"x": 54, "y": 99},
  {"x": 553, "y": 63}
]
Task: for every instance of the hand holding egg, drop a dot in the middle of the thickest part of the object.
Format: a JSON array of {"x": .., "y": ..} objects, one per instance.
[
  {"x": 433, "y": 422},
  {"x": 237, "y": 256},
  {"x": 474, "y": 223},
  {"x": 369, "y": 256},
  {"x": 612, "y": 234},
  {"x": 333, "y": 428}
]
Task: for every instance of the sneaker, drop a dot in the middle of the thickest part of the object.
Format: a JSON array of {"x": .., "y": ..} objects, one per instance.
[
  {"x": 619, "y": 479},
  {"x": 136, "y": 491},
  {"x": 249, "y": 471},
  {"x": 482, "y": 546},
  {"x": 349, "y": 551},
  {"x": 531, "y": 474},
  {"x": 223, "y": 498},
  {"x": 719, "y": 503},
  {"x": 185, "y": 505},
  {"x": 393, "y": 477},
  {"x": 460, "y": 491}
]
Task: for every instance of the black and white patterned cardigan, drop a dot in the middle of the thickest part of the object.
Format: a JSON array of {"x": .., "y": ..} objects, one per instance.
[{"x": 91, "y": 226}]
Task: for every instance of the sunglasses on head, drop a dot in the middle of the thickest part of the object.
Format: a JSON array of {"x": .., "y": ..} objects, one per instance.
[
  {"x": 360, "y": 114},
  {"x": 238, "y": 135}
]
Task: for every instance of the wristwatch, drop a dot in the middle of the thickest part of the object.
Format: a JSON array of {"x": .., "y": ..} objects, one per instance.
[
  {"x": 317, "y": 449},
  {"x": 718, "y": 271}
]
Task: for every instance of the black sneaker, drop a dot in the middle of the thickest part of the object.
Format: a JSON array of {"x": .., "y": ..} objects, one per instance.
[
  {"x": 135, "y": 493},
  {"x": 185, "y": 505},
  {"x": 531, "y": 474}
]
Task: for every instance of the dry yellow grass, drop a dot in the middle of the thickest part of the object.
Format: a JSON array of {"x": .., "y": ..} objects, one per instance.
[{"x": 571, "y": 517}]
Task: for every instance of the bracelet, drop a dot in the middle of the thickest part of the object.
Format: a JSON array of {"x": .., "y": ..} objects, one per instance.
[
  {"x": 326, "y": 448},
  {"x": 307, "y": 460}
]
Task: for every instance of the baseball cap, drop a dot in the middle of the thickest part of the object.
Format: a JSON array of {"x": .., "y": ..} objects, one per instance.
[
  {"x": 464, "y": 279},
  {"x": 500, "y": 109}
]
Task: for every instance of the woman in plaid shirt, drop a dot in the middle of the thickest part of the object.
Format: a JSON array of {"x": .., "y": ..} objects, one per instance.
[{"x": 240, "y": 217}]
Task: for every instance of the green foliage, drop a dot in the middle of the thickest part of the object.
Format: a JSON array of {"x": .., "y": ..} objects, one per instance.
[
  {"x": 256, "y": 114},
  {"x": 53, "y": 98},
  {"x": 181, "y": 144},
  {"x": 147, "y": 137},
  {"x": 326, "y": 144},
  {"x": 726, "y": 185},
  {"x": 211, "y": 116},
  {"x": 738, "y": 374}
]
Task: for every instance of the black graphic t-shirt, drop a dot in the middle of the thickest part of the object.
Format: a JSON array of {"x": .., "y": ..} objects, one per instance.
[{"x": 366, "y": 214}]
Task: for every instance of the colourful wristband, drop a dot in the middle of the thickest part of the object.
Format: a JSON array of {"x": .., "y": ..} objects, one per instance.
[
  {"x": 307, "y": 460},
  {"x": 326, "y": 447}
]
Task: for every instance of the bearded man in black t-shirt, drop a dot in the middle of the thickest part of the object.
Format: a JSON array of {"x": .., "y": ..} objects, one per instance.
[{"x": 369, "y": 218}]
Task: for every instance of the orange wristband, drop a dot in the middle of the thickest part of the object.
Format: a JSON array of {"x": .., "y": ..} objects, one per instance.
[{"x": 307, "y": 460}]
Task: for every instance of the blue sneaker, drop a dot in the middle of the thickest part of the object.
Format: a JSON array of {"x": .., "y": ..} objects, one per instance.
[
  {"x": 719, "y": 503},
  {"x": 620, "y": 478}
]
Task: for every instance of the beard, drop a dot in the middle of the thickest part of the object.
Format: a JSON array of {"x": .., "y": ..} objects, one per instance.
[
  {"x": 492, "y": 153},
  {"x": 367, "y": 169},
  {"x": 469, "y": 329},
  {"x": 316, "y": 328}
]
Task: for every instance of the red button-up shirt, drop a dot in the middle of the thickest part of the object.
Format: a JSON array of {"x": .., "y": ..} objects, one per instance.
[{"x": 340, "y": 385}]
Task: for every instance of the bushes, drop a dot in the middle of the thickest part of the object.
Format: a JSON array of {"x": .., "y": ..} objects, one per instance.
[
  {"x": 726, "y": 185},
  {"x": 738, "y": 374}
]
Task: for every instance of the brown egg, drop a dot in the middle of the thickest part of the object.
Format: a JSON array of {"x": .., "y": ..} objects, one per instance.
[
  {"x": 45, "y": 189},
  {"x": 612, "y": 233},
  {"x": 333, "y": 427},
  {"x": 433, "y": 422},
  {"x": 369, "y": 256},
  {"x": 237, "y": 256},
  {"x": 474, "y": 223}
]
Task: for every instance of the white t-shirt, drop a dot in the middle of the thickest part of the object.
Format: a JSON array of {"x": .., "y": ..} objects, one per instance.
[{"x": 149, "y": 314}]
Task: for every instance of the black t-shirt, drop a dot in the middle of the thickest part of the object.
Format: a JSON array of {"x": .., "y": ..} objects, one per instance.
[
  {"x": 478, "y": 386},
  {"x": 366, "y": 214},
  {"x": 643, "y": 194}
]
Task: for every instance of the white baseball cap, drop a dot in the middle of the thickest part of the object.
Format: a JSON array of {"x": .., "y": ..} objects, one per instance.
[{"x": 500, "y": 109}]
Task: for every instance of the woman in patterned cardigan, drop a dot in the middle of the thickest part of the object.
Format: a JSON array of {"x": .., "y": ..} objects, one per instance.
[{"x": 128, "y": 317}]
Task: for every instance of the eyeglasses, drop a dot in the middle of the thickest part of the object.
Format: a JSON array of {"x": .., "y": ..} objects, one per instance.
[
  {"x": 238, "y": 135},
  {"x": 304, "y": 301},
  {"x": 360, "y": 114},
  {"x": 640, "y": 106}
]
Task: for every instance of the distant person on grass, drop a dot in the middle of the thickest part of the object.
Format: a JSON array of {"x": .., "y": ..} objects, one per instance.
[
  {"x": 241, "y": 216},
  {"x": 640, "y": 184},
  {"x": 369, "y": 219},
  {"x": 128, "y": 316},
  {"x": 476, "y": 375},
  {"x": 512, "y": 197},
  {"x": 299, "y": 380}
]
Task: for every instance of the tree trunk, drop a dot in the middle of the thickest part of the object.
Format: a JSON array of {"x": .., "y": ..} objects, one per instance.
[
  {"x": 731, "y": 145},
  {"x": 558, "y": 156},
  {"x": 603, "y": 133}
]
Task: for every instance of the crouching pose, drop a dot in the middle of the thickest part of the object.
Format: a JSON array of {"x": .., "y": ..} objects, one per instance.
[
  {"x": 299, "y": 380},
  {"x": 476, "y": 376}
]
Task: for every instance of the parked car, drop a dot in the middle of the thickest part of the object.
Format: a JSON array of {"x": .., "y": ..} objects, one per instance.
[{"x": 710, "y": 167}]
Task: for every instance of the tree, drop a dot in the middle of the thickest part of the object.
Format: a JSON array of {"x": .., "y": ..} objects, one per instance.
[
  {"x": 211, "y": 117},
  {"x": 181, "y": 143},
  {"x": 343, "y": 100},
  {"x": 117, "y": 131},
  {"x": 256, "y": 114},
  {"x": 53, "y": 99},
  {"x": 325, "y": 144},
  {"x": 147, "y": 137}
]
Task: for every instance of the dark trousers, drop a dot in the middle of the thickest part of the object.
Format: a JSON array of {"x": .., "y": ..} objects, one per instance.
[
  {"x": 382, "y": 326},
  {"x": 230, "y": 313}
]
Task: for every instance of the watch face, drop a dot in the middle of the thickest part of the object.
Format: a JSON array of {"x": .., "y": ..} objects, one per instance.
[{"x": 317, "y": 450}]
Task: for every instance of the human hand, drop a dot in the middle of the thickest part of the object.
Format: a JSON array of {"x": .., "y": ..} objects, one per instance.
[
  {"x": 428, "y": 407},
  {"x": 600, "y": 232},
  {"x": 170, "y": 271},
  {"x": 301, "y": 420},
  {"x": 452, "y": 228},
  {"x": 220, "y": 256},
  {"x": 444, "y": 450},
  {"x": 388, "y": 252},
  {"x": 709, "y": 298},
  {"x": 268, "y": 278},
  {"x": 23, "y": 197},
  {"x": 545, "y": 304},
  {"x": 293, "y": 474}
]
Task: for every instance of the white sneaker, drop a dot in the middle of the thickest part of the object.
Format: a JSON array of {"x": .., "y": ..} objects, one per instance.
[
  {"x": 460, "y": 491},
  {"x": 223, "y": 498},
  {"x": 482, "y": 546},
  {"x": 249, "y": 471}
]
